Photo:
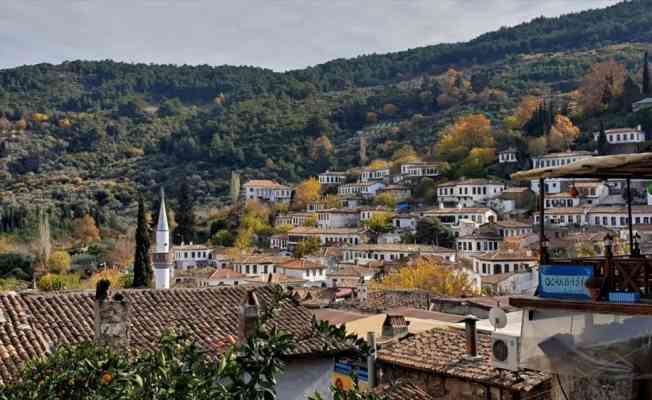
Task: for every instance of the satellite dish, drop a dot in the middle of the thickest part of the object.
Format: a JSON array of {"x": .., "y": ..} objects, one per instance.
[{"x": 497, "y": 318}]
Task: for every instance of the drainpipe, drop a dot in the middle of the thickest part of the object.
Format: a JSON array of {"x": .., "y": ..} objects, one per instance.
[{"x": 371, "y": 359}]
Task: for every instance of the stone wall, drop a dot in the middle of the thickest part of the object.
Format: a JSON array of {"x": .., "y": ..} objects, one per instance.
[
  {"x": 112, "y": 324},
  {"x": 383, "y": 299},
  {"x": 587, "y": 389}
]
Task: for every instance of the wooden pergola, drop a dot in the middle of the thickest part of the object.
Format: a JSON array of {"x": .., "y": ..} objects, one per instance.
[{"x": 630, "y": 274}]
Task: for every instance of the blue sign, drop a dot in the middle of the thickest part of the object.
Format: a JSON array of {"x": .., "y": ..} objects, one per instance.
[{"x": 564, "y": 281}]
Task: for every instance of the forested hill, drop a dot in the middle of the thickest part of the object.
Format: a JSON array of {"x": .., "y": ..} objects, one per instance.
[{"x": 86, "y": 136}]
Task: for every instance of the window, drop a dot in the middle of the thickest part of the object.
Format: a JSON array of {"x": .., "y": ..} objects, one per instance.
[
  {"x": 498, "y": 269},
  {"x": 247, "y": 269},
  {"x": 613, "y": 221},
  {"x": 255, "y": 269}
]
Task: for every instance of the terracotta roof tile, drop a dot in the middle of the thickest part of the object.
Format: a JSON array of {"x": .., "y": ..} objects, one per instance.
[
  {"x": 442, "y": 352},
  {"x": 37, "y": 322},
  {"x": 402, "y": 391}
]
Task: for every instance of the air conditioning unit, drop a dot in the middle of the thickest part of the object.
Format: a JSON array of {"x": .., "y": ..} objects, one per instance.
[{"x": 505, "y": 351}]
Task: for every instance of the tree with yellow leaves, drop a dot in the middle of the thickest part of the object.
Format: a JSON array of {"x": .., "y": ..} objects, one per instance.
[
  {"x": 562, "y": 134},
  {"x": 85, "y": 230},
  {"x": 604, "y": 82},
  {"x": 59, "y": 262},
  {"x": 307, "y": 191},
  {"x": 432, "y": 275},
  {"x": 468, "y": 132},
  {"x": 477, "y": 160},
  {"x": 6, "y": 246},
  {"x": 321, "y": 147},
  {"x": 378, "y": 164},
  {"x": 524, "y": 111}
]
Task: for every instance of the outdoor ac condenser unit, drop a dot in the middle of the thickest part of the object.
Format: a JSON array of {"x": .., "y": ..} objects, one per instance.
[{"x": 505, "y": 351}]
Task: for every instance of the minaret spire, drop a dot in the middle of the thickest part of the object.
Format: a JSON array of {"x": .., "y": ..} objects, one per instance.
[{"x": 162, "y": 256}]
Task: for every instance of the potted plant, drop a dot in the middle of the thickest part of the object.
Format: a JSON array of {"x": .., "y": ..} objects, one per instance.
[{"x": 594, "y": 286}]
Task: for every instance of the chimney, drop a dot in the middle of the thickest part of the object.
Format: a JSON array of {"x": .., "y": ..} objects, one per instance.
[
  {"x": 248, "y": 315},
  {"x": 111, "y": 319},
  {"x": 471, "y": 336}
]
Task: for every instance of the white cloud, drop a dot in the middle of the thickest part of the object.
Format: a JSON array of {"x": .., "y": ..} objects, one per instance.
[{"x": 278, "y": 34}]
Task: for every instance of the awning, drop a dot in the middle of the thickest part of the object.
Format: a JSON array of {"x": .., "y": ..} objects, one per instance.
[{"x": 621, "y": 166}]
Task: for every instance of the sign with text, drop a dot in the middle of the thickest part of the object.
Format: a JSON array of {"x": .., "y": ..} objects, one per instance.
[{"x": 564, "y": 281}]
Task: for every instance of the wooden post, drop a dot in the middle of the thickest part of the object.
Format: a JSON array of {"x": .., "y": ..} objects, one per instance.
[
  {"x": 629, "y": 213},
  {"x": 542, "y": 250},
  {"x": 371, "y": 360}
]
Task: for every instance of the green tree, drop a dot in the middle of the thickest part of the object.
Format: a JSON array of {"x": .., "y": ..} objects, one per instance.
[
  {"x": 306, "y": 247},
  {"x": 142, "y": 264},
  {"x": 431, "y": 231},
  {"x": 185, "y": 231},
  {"x": 631, "y": 94}
]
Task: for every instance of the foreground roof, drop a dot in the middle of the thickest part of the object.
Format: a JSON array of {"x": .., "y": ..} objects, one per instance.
[
  {"x": 36, "y": 323},
  {"x": 617, "y": 166},
  {"x": 443, "y": 352},
  {"x": 402, "y": 390}
]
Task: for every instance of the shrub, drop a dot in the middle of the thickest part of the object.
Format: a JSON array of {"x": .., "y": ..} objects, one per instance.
[
  {"x": 59, "y": 262},
  {"x": 53, "y": 282}
]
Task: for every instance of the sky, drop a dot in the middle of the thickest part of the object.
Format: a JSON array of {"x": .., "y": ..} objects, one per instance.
[{"x": 276, "y": 34}]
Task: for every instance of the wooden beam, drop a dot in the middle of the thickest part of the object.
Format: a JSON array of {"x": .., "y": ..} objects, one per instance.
[{"x": 597, "y": 307}]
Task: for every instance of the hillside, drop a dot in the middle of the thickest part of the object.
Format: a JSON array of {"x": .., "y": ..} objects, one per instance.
[{"x": 85, "y": 137}]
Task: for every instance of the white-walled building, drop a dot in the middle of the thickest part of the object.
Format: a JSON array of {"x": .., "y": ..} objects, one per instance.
[
  {"x": 405, "y": 222},
  {"x": 507, "y": 156},
  {"x": 453, "y": 217},
  {"x": 332, "y": 178},
  {"x": 479, "y": 242},
  {"x": 338, "y": 218},
  {"x": 225, "y": 277},
  {"x": 327, "y": 237},
  {"x": 608, "y": 217},
  {"x": 398, "y": 192},
  {"x": 367, "y": 213},
  {"x": 364, "y": 189},
  {"x": 559, "y": 159},
  {"x": 188, "y": 256},
  {"x": 504, "y": 261},
  {"x": 511, "y": 228},
  {"x": 422, "y": 169},
  {"x": 258, "y": 265},
  {"x": 267, "y": 190},
  {"x": 622, "y": 135},
  {"x": 303, "y": 269},
  {"x": 295, "y": 219},
  {"x": 366, "y": 253},
  {"x": 512, "y": 283},
  {"x": 561, "y": 200},
  {"x": 370, "y": 174},
  {"x": 468, "y": 193}
]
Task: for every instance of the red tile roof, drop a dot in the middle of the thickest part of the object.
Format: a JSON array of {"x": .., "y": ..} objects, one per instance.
[
  {"x": 225, "y": 273},
  {"x": 37, "y": 322},
  {"x": 402, "y": 391},
  {"x": 443, "y": 352}
]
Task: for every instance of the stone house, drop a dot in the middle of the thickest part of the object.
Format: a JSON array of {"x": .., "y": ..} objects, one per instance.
[{"x": 447, "y": 364}]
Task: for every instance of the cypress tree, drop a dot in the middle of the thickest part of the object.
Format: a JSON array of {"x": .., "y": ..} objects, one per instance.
[
  {"x": 185, "y": 231},
  {"x": 142, "y": 265},
  {"x": 603, "y": 145},
  {"x": 646, "y": 76}
]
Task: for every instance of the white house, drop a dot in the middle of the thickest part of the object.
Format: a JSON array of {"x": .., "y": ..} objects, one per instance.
[
  {"x": 479, "y": 242},
  {"x": 366, "y": 253},
  {"x": 559, "y": 159},
  {"x": 257, "y": 264},
  {"x": 225, "y": 277},
  {"x": 370, "y": 174},
  {"x": 405, "y": 222},
  {"x": 398, "y": 192},
  {"x": 368, "y": 212},
  {"x": 267, "y": 190},
  {"x": 561, "y": 200},
  {"x": 327, "y": 237},
  {"x": 512, "y": 228},
  {"x": 608, "y": 217},
  {"x": 453, "y": 217},
  {"x": 622, "y": 135},
  {"x": 509, "y": 155},
  {"x": 338, "y": 218},
  {"x": 295, "y": 219},
  {"x": 421, "y": 169},
  {"x": 303, "y": 269},
  {"x": 187, "y": 256},
  {"x": 467, "y": 193},
  {"x": 332, "y": 178},
  {"x": 364, "y": 189},
  {"x": 504, "y": 261}
]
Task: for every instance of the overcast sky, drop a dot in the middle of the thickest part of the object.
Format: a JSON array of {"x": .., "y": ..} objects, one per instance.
[{"x": 277, "y": 34}]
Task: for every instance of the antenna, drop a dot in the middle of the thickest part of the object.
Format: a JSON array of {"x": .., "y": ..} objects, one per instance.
[{"x": 497, "y": 318}]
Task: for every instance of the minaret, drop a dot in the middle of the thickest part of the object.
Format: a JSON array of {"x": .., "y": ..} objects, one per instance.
[{"x": 162, "y": 257}]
